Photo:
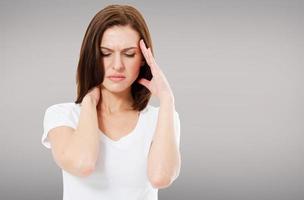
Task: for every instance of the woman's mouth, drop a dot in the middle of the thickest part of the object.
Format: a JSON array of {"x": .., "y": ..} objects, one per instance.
[{"x": 116, "y": 78}]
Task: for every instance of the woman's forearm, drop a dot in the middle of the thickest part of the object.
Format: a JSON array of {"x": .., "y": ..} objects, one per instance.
[
  {"x": 83, "y": 148},
  {"x": 164, "y": 157}
]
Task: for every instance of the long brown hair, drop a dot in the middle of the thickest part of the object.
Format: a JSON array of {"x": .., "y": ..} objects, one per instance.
[{"x": 90, "y": 70}]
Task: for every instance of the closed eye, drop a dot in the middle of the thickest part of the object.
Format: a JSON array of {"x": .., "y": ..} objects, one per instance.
[
  {"x": 130, "y": 55},
  {"x": 105, "y": 55}
]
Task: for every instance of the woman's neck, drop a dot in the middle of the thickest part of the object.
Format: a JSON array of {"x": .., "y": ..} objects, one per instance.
[{"x": 112, "y": 103}]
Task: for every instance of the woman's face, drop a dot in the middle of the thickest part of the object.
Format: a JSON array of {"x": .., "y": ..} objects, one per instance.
[{"x": 121, "y": 57}]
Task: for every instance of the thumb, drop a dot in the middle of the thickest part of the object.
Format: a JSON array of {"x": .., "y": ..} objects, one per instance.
[{"x": 144, "y": 82}]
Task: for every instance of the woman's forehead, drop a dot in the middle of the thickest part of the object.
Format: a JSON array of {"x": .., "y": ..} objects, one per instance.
[{"x": 120, "y": 37}]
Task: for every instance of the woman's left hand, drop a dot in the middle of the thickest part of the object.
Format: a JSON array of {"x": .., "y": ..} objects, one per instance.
[{"x": 158, "y": 85}]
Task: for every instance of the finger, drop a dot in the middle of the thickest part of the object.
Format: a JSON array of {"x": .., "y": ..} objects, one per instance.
[
  {"x": 154, "y": 65},
  {"x": 146, "y": 55},
  {"x": 143, "y": 48},
  {"x": 151, "y": 57},
  {"x": 144, "y": 82},
  {"x": 146, "y": 52}
]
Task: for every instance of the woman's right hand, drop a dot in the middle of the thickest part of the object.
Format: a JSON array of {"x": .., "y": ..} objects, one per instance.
[{"x": 94, "y": 95}]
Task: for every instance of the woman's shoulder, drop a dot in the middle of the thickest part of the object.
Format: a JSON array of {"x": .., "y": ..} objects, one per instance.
[
  {"x": 153, "y": 110},
  {"x": 64, "y": 107}
]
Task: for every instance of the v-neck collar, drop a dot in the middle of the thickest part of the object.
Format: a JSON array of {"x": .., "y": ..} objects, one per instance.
[{"x": 128, "y": 137}]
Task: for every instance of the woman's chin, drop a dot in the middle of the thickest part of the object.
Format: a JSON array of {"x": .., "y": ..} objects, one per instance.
[{"x": 116, "y": 88}]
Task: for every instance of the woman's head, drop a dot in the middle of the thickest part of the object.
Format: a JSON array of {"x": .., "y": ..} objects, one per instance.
[
  {"x": 103, "y": 53},
  {"x": 121, "y": 56}
]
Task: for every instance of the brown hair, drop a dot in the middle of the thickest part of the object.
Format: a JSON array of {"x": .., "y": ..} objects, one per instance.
[{"x": 90, "y": 70}]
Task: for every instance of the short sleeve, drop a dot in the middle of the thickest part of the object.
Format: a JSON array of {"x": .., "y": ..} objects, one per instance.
[
  {"x": 55, "y": 115},
  {"x": 177, "y": 127}
]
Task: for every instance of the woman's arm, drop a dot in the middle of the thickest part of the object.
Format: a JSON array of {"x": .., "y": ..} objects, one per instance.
[
  {"x": 164, "y": 159},
  {"x": 83, "y": 147},
  {"x": 76, "y": 150}
]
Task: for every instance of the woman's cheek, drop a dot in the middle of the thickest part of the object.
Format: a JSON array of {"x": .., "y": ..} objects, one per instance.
[
  {"x": 136, "y": 62},
  {"x": 106, "y": 63}
]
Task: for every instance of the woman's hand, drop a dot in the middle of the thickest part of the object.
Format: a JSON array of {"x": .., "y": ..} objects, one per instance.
[
  {"x": 158, "y": 85},
  {"x": 94, "y": 95}
]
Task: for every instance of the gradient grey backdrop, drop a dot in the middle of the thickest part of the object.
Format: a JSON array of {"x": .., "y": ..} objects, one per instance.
[{"x": 236, "y": 70}]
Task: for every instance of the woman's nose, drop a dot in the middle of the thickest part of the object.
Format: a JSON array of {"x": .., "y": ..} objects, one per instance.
[{"x": 118, "y": 64}]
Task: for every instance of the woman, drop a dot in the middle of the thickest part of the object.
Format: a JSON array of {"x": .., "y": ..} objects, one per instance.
[{"x": 110, "y": 143}]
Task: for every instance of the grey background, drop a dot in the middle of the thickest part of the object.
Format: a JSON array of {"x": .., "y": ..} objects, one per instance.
[{"x": 235, "y": 68}]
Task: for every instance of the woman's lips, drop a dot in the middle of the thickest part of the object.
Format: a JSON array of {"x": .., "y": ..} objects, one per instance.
[{"x": 116, "y": 78}]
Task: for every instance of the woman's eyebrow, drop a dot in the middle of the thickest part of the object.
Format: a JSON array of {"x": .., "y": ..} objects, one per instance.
[{"x": 125, "y": 49}]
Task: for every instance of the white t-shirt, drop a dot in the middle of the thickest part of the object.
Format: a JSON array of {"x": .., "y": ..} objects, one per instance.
[{"x": 121, "y": 169}]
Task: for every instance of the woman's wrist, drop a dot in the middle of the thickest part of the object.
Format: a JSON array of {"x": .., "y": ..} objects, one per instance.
[
  {"x": 89, "y": 100},
  {"x": 165, "y": 99}
]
